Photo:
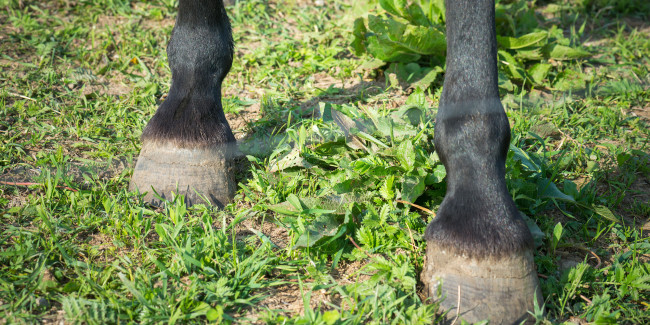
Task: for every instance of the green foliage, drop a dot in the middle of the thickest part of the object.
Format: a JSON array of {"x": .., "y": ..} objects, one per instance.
[
  {"x": 409, "y": 35},
  {"x": 383, "y": 159},
  {"x": 557, "y": 235}
]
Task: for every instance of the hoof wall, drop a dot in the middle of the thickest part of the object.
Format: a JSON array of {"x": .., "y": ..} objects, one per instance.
[
  {"x": 501, "y": 290},
  {"x": 199, "y": 174}
]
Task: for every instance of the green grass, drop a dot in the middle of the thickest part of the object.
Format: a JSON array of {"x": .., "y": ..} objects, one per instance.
[{"x": 315, "y": 235}]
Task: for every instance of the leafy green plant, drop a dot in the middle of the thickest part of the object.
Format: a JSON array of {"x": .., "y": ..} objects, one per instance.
[
  {"x": 384, "y": 159},
  {"x": 556, "y": 236},
  {"x": 409, "y": 35}
]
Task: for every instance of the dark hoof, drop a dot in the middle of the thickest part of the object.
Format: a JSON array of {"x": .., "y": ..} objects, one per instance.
[
  {"x": 199, "y": 174},
  {"x": 501, "y": 290}
]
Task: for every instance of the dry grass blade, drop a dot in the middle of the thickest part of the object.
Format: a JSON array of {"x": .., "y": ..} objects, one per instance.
[{"x": 417, "y": 206}]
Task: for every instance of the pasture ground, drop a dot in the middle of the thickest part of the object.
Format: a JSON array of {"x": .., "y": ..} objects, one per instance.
[{"x": 316, "y": 234}]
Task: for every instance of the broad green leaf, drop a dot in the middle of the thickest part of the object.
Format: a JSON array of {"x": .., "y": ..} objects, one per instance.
[
  {"x": 414, "y": 74},
  {"x": 557, "y": 235},
  {"x": 372, "y": 139},
  {"x": 394, "y": 41},
  {"x": 406, "y": 155},
  {"x": 513, "y": 43},
  {"x": 359, "y": 31},
  {"x": 329, "y": 204},
  {"x": 160, "y": 230},
  {"x": 410, "y": 12},
  {"x": 548, "y": 189},
  {"x": 385, "y": 27},
  {"x": 330, "y": 317},
  {"x": 323, "y": 226},
  {"x": 284, "y": 208},
  {"x": 346, "y": 186},
  {"x": 525, "y": 159},
  {"x": 412, "y": 188},
  {"x": 437, "y": 176},
  {"x": 70, "y": 287},
  {"x": 386, "y": 50},
  {"x": 372, "y": 64},
  {"x": 349, "y": 110},
  {"x": 570, "y": 188},
  {"x": 384, "y": 125},
  {"x": 394, "y": 7},
  {"x": 562, "y": 52},
  {"x": 397, "y": 127},
  {"x": 331, "y": 148},
  {"x": 606, "y": 213},
  {"x": 417, "y": 98},
  {"x": 215, "y": 314},
  {"x": 539, "y": 71},
  {"x": 533, "y": 54},
  {"x": 290, "y": 160},
  {"x": 424, "y": 40},
  {"x": 511, "y": 66},
  {"x": 410, "y": 114},
  {"x": 415, "y": 15},
  {"x": 436, "y": 11},
  {"x": 295, "y": 202}
]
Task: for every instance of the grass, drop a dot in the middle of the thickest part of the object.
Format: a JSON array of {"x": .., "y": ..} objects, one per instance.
[{"x": 316, "y": 233}]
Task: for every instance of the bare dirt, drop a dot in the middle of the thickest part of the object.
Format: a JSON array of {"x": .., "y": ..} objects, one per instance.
[{"x": 289, "y": 299}]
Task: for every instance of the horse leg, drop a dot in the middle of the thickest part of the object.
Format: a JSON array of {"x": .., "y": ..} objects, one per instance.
[
  {"x": 479, "y": 249},
  {"x": 187, "y": 145}
]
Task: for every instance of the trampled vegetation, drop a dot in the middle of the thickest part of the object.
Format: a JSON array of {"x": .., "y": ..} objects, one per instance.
[{"x": 326, "y": 227}]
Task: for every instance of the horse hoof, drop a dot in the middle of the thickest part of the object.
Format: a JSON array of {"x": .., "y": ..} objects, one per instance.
[
  {"x": 502, "y": 290},
  {"x": 201, "y": 175}
]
